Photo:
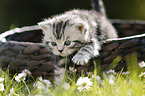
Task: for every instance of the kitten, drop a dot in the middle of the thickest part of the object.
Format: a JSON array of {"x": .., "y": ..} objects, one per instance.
[{"x": 76, "y": 31}]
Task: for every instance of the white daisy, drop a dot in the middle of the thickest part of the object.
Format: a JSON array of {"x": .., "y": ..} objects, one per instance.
[
  {"x": 43, "y": 87},
  {"x": 84, "y": 84},
  {"x": 111, "y": 72},
  {"x": 98, "y": 78},
  {"x": 141, "y": 64},
  {"x": 26, "y": 71},
  {"x": 12, "y": 93},
  {"x": 40, "y": 78},
  {"x": 40, "y": 85},
  {"x": 2, "y": 87},
  {"x": 125, "y": 73},
  {"x": 111, "y": 79},
  {"x": 45, "y": 82},
  {"x": 142, "y": 74},
  {"x": 20, "y": 77},
  {"x": 1, "y": 80}
]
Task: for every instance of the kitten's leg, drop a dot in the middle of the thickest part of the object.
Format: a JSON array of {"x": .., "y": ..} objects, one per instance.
[
  {"x": 59, "y": 72},
  {"x": 59, "y": 75},
  {"x": 87, "y": 52}
]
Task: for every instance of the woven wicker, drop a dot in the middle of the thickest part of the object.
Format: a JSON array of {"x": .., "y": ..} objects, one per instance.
[{"x": 24, "y": 50}]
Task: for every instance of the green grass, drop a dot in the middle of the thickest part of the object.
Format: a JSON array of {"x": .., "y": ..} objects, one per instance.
[{"x": 112, "y": 84}]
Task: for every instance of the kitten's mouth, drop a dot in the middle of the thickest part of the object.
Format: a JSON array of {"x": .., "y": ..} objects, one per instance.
[{"x": 63, "y": 54}]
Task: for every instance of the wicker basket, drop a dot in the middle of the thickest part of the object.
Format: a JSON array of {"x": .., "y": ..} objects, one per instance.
[{"x": 22, "y": 51}]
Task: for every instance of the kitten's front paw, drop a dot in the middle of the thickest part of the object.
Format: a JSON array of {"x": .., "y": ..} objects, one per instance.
[{"x": 80, "y": 59}]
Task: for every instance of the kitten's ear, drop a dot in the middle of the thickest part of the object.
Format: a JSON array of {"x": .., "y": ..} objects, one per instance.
[
  {"x": 44, "y": 26},
  {"x": 79, "y": 26}
]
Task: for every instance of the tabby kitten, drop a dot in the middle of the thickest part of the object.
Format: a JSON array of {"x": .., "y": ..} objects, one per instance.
[{"x": 76, "y": 31}]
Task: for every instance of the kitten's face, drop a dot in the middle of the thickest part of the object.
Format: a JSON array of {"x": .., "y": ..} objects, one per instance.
[{"x": 63, "y": 38}]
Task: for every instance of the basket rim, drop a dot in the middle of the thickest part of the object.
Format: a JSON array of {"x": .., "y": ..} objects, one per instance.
[
  {"x": 125, "y": 38},
  {"x": 36, "y": 27}
]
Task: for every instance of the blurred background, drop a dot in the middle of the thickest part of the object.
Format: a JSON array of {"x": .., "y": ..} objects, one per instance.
[{"x": 18, "y": 13}]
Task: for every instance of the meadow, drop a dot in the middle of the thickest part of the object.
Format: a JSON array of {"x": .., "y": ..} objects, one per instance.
[{"x": 108, "y": 83}]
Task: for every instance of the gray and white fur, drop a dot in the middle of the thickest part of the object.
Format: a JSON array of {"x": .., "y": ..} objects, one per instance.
[{"x": 77, "y": 31}]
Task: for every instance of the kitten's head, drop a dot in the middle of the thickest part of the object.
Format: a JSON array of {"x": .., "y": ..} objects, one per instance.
[{"x": 63, "y": 37}]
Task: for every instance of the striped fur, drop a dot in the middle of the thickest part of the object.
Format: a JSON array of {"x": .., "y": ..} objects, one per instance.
[
  {"x": 76, "y": 31},
  {"x": 58, "y": 29}
]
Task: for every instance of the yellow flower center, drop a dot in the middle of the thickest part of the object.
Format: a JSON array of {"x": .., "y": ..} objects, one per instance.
[
  {"x": 142, "y": 74},
  {"x": 84, "y": 84},
  {"x": 143, "y": 64}
]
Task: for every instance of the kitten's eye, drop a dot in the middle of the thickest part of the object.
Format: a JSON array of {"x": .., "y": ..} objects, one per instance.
[
  {"x": 53, "y": 43},
  {"x": 46, "y": 42},
  {"x": 67, "y": 43}
]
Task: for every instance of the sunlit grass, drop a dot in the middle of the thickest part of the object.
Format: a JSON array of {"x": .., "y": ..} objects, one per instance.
[{"x": 110, "y": 83}]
